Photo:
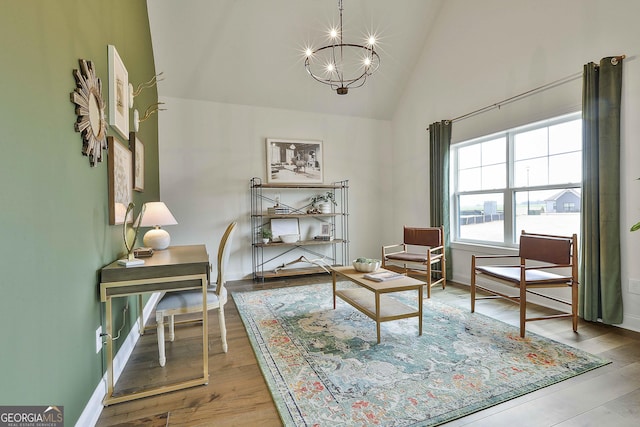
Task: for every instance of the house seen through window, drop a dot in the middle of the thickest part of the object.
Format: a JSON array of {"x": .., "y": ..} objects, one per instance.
[{"x": 527, "y": 178}]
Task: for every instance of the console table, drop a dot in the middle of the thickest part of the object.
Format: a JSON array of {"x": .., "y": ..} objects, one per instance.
[{"x": 175, "y": 268}]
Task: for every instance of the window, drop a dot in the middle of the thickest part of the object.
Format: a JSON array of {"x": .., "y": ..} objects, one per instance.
[{"x": 527, "y": 178}]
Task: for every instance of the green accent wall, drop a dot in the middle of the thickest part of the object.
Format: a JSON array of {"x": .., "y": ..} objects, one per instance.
[{"x": 54, "y": 232}]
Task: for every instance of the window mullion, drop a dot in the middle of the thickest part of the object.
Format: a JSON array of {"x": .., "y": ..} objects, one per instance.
[{"x": 508, "y": 194}]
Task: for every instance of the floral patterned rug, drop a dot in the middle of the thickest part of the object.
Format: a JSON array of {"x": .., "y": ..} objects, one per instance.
[{"x": 324, "y": 368}]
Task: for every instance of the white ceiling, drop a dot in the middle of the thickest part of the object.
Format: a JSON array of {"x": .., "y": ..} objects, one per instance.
[{"x": 250, "y": 51}]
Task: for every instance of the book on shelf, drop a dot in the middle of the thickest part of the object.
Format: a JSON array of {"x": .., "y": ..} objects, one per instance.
[
  {"x": 142, "y": 252},
  {"x": 383, "y": 276},
  {"x": 278, "y": 210},
  {"x": 323, "y": 237}
]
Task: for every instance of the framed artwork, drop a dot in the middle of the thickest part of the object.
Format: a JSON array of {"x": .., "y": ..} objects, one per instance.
[
  {"x": 118, "y": 93},
  {"x": 294, "y": 161},
  {"x": 137, "y": 149},
  {"x": 120, "y": 181}
]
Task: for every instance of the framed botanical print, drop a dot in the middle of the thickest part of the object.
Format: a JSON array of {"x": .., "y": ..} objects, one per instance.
[
  {"x": 137, "y": 149},
  {"x": 118, "y": 93},
  {"x": 292, "y": 161},
  {"x": 120, "y": 181}
]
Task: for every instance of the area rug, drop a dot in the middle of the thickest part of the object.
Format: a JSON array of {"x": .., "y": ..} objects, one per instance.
[{"x": 324, "y": 368}]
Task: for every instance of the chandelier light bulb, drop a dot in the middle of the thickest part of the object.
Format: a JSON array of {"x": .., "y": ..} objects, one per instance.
[{"x": 341, "y": 65}]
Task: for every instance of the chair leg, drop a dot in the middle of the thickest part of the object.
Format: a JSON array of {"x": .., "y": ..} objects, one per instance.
[
  {"x": 473, "y": 284},
  {"x": 574, "y": 306},
  {"x": 172, "y": 331},
  {"x": 160, "y": 332},
  {"x": 523, "y": 309},
  {"x": 223, "y": 328}
]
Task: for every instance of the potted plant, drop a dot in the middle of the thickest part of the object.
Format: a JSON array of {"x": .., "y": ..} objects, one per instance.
[
  {"x": 266, "y": 234},
  {"x": 322, "y": 202}
]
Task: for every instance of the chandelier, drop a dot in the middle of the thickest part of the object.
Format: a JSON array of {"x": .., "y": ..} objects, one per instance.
[{"x": 342, "y": 65}]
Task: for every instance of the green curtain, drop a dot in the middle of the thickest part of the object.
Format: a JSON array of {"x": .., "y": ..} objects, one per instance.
[
  {"x": 599, "y": 275},
  {"x": 439, "y": 141}
]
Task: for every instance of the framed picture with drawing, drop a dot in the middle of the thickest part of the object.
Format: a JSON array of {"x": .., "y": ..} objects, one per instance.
[
  {"x": 137, "y": 149},
  {"x": 293, "y": 161},
  {"x": 120, "y": 181},
  {"x": 118, "y": 93}
]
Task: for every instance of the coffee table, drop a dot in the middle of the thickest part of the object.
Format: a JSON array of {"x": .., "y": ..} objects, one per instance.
[{"x": 370, "y": 296}]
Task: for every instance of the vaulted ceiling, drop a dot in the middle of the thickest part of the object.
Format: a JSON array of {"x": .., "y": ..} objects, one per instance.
[{"x": 250, "y": 52}]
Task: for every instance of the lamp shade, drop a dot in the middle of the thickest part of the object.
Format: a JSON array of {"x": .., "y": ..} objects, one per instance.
[{"x": 156, "y": 214}]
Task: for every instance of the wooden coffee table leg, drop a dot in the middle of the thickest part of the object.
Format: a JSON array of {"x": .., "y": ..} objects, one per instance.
[
  {"x": 420, "y": 310},
  {"x": 378, "y": 316},
  {"x": 333, "y": 275}
]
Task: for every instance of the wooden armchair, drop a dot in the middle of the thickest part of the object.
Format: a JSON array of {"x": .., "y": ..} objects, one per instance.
[
  {"x": 556, "y": 265},
  {"x": 422, "y": 249}
]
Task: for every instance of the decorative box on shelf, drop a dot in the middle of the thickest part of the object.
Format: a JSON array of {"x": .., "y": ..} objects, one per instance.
[{"x": 278, "y": 210}]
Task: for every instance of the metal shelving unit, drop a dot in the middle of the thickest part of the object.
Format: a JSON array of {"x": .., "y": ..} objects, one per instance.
[{"x": 271, "y": 260}]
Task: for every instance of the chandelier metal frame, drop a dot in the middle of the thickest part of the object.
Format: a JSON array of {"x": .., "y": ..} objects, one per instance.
[{"x": 333, "y": 65}]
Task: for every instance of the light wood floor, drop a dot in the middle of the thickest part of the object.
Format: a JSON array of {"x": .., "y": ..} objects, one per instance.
[{"x": 237, "y": 394}]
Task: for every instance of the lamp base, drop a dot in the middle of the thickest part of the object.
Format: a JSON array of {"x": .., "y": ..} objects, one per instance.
[
  {"x": 157, "y": 239},
  {"x": 130, "y": 262}
]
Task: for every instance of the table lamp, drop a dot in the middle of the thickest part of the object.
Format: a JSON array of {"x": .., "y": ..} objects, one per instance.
[{"x": 157, "y": 215}]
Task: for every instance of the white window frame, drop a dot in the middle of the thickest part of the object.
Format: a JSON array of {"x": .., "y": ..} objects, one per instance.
[{"x": 510, "y": 234}]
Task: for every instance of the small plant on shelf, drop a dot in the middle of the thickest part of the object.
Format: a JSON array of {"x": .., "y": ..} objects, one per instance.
[
  {"x": 320, "y": 200},
  {"x": 266, "y": 234}
]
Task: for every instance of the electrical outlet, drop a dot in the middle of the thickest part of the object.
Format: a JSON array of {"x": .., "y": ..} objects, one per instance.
[
  {"x": 634, "y": 286},
  {"x": 98, "y": 339}
]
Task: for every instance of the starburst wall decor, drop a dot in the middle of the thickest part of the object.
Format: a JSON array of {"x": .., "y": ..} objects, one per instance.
[{"x": 90, "y": 111}]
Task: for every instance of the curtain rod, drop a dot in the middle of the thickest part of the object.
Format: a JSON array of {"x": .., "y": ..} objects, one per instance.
[{"x": 499, "y": 104}]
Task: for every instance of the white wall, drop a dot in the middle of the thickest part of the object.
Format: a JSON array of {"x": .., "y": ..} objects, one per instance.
[
  {"x": 210, "y": 151},
  {"x": 485, "y": 51}
]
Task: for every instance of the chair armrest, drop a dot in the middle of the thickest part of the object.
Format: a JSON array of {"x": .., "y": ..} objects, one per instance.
[
  {"x": 547, "y": 267},
  {"x": 491, "y": 257},
  {"x": 386, "y": 248},
  {"x": 434, "y": 249},
  {"x": 494, "y": 256},
  {"x": 397, "y": 245}
]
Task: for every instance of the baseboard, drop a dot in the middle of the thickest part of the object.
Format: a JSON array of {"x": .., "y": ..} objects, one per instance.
[
  {"x": 93, "y": 409},
  {"x": 631, "y": 322}
]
